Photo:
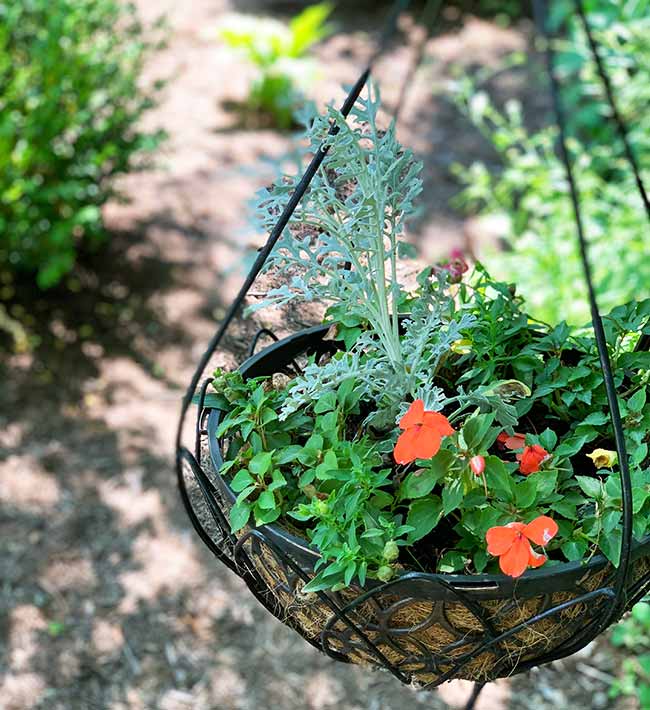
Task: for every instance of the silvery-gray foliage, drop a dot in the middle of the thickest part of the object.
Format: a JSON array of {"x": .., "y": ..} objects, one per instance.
[{"x": 342, "y": 247}]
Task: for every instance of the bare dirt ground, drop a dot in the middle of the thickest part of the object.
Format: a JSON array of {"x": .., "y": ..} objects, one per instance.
[{"x": 107, "y": 599}]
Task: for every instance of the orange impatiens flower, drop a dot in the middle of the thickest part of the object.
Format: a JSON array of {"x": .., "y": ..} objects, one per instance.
[
  {"x": 516, "y": 441},
  {"x": 422, "y": 435},
  {"x": 531, "y": 458},
  {"x": 511, "y": 544}
]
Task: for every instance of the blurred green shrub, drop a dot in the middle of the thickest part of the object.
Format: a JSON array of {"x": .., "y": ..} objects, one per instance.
[
  {"x": 278, "y": 52},
  {"x": 633, "y": 635},
  {"x": 530, "y": 192},
  {"x": 70, "y": 102}
]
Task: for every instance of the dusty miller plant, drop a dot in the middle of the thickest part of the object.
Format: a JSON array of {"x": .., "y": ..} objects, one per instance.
[{"x": 342, "y": 247}]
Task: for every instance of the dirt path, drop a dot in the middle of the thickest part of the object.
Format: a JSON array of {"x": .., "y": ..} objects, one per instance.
[{"x": 107, "y": 599}]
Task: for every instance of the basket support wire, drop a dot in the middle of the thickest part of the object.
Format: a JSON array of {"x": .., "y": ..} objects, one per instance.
[
  {"x": 541, "y": 18},
  {"x": 236, "y": 556}
]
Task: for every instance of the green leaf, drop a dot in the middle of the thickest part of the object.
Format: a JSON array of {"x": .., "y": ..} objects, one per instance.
[
  {"x": 545, "y": 483},
  {"x": 263, "y": 516},
  {"x": 610, "y": 544},
  {"x": 329, "y": 464},
  {"x": 373, "y": 532},
  {"x": 213, "y": 400},
  {"x": 499, "y": 479},
  {"x": 475, "y": 429},
  {"x": 480, "y": 560},
  {"x": 567, "y": 510},
  {"x": 266, "y": 501},
  {"x": 526, "y": 492},
  {"x": 574, "y": 550},
  {"x": 326, "y": 403},
  {"x": 241, "y": 481},
  {"x": 277, "y": 480},
  {"x": 592, "y": 487},
  {"x": 421, "y": 482},
  {"x": 571, "y": 446},
  {"x": 636, "y": 402},
  {"x": 611, "y": 518},
  {"x": 452, "y": 496},
  {"x": 267, "y": 416},
  {"x": 245, "y": 493},
  {"x": 548, "y": 439},
  {"x": 641, "y": 613},
  {"x": 452, "y": 561},
  {"x": 260, "y": 463},
  {"x": 239, "y": 515},
  {"x": 288, "y": 454},
  {"x": 424, "y": 514}
]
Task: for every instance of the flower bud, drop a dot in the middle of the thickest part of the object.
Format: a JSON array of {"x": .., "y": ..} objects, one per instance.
[
  {"x": 477, "y": 464},
  {"x": 322, "y": 508},
  {"x": 385, "y": 573},
  {"x": 391, "y": 551}
]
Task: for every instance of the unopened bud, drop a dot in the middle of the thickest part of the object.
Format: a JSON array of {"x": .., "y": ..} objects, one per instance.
[
  {"x": 391, "y": 551},
  {"x": 477, "y": 464},
  {"x": 385, "y": 573}
]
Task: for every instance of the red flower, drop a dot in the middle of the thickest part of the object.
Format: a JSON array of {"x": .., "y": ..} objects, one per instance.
[
  {"x": 455, "y": 265},
  {"x": 516, "y": 441},
  {"x": 477, "y": 464},
  {"x": 423, "y": 432},
  {"x": 532, "y": 458},
  {"x": 511, "y": 544}
]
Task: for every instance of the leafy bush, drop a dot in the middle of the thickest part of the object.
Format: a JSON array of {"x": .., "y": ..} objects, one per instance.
[
  {"x": 531, "y": 192},
  {"x": 70, "y": 103},
  {"x": 278, "y": 52},
  {"x": 633, "y": 635},
  {"x": 449, "y": 425}
]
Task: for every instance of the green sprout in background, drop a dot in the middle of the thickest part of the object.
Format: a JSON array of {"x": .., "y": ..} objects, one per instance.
[{"x": 279, "y": 53}]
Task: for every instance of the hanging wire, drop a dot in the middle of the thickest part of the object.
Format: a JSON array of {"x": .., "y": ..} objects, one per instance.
[
  {"x": 541, "y": 19},
  {"x": 644, "y": 341},
  {"x": 616, "y": 115}
]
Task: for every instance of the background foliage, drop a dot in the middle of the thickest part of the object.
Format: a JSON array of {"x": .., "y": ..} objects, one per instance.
[
  {"x": 69, "y": 111},
  {"x": 531, "y": 192}
]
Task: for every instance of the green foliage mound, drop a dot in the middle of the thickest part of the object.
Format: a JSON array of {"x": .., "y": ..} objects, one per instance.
[{"x": 70, "y": 105}]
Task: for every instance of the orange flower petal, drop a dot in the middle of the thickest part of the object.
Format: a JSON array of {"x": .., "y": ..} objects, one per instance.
[
  {"x": 515, "y": 560},
  {"x": 426, "y": 442},
  {"x": 500, "y": 539},
  {"x": 531, "y": 459},
  {"x": 541, "y": 530},
  {"x": 405, "y": 447},
  {"x": 438, "y": 422},
  {"x": 516, "y": 441},
  {"x": 413, "y": 416},
  {"x": 535, "y": 559}
]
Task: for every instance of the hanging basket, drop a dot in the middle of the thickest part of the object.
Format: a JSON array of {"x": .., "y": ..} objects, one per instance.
[
  {"x": 423, "y": 628},
  {"x": 430, "y": 627}
]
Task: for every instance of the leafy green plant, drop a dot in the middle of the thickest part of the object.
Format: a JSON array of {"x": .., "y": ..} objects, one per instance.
[
  {"x": 633, "y": 635},
  {"x": 449, "y": 428},
  {"x": 279, "y": 54},
  {"x": 530, "y": 195},
  {"x": 70, "y": 106}
]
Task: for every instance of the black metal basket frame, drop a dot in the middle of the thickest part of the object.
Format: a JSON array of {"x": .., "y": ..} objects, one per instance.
[{"x": 618, "y": 594}]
